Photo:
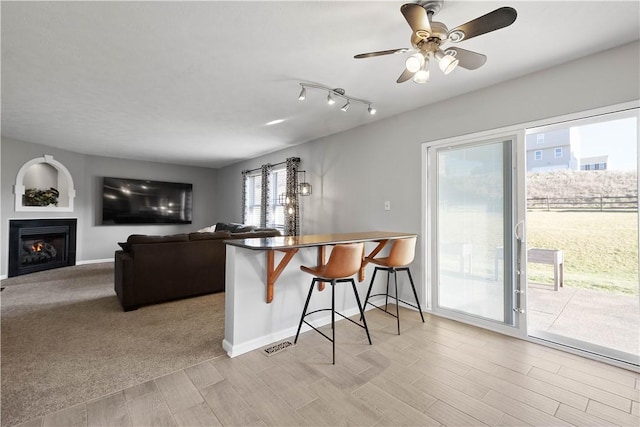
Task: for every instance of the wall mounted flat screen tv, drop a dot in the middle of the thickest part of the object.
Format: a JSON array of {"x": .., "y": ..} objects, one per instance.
[{"x": 133, "y": 201}]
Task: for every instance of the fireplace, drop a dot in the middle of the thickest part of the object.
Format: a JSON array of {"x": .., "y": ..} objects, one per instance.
[{"x": 41, "y": 244}]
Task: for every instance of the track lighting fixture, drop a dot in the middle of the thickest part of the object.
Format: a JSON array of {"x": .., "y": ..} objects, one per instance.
[
  {"x": 339, "y": 93},
  {"x": 330, "y": 99}
]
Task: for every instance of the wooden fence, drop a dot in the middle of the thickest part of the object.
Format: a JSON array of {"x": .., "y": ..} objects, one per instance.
[{"x": 599, "y": 203}]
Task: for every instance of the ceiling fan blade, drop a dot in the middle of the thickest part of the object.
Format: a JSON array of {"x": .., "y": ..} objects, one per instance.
[
  {"x": 466, "y": 58},
  {"x": 499, "y": 18},
  {"x": 381, "y": 52},
  {"x": 417, "y": 18},
  {"x": 406, "y": 75}
]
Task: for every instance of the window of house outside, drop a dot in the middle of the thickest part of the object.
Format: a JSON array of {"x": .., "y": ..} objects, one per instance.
[
  {"x": 538, "y": 155},
  {"x": 558, "y": 152},
  {"x": 540, "y": 138}
]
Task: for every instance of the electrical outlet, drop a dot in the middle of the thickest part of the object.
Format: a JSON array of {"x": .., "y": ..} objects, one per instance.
[{"x": 387, "y": 205}]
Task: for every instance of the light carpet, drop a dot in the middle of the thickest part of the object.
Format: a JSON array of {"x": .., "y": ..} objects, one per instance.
[{"x": 66, "y": 340}]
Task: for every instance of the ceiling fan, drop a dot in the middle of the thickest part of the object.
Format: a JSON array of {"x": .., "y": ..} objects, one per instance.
[{"x": 428, "y": 37}]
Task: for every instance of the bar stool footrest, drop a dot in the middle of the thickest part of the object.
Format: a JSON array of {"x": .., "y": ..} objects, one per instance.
[
  {"x": 390, "y": 296},
  {"x": 328, "y": 309}
]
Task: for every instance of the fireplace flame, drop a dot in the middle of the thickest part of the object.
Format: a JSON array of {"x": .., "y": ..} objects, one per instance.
[{"x": 37, "y": 247}]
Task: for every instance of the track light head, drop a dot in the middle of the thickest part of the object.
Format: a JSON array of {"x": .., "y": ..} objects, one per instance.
[
  {"x": 330, "y": 99},
  {"x": 303, "y": 94},
  {"x": 371, "y": 110},
  {"x": 346, "y": 106}
]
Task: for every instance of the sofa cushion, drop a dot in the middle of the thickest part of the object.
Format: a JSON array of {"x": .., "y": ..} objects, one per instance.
[
  {"x": 255, "y": 234},
  {"x": 267, "y": 230},
  {"x": 209, "y": 229},
  {"x": 136, "y": 239},
  {"x": 210, "y": 236},
  {"x": 234, "y": 227}
]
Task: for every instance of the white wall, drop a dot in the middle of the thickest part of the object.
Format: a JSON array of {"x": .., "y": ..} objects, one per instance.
[
  {"x": 96, "y": 241},
  {"x": 354, "y": 172}
]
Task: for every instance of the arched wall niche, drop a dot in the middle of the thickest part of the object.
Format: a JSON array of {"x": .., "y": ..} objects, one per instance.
[{"x": 43, "y": 173}]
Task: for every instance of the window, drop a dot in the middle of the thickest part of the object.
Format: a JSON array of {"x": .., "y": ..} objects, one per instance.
[
  {"x": 263, "y": 196},
  {"x": 538, "y": 155},
  {"x": 558, "y": 152},
  {"x": 540, "y": 138},
  {"x": 278, "y": 180},
  {"x": 278, "y": 186},
  {"x": 254, "y": 199}
]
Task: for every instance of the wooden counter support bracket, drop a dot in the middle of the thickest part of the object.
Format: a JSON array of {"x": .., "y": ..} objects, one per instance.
[
  {"x": 321, "y": 261},
  {"x": 381, "y": 245},
  {"x": 273, "y": 274}
]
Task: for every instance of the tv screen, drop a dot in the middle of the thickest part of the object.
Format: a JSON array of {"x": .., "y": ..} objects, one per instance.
[{"x": 133, "y": 201}]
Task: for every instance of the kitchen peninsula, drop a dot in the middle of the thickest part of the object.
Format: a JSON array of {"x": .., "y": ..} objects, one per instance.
[{"x": 265, "y": 289}]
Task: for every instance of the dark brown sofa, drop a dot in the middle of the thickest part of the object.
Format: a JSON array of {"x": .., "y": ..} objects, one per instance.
[{"x": 152, "y": 269}]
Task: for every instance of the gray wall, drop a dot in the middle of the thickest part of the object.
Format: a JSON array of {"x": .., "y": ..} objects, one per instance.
[
  {"x": 354, "y": 172},
  {"x": 95, "y": 241}
]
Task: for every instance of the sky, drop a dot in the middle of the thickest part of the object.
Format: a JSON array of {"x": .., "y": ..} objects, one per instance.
[{"x": 617, "y": 138}]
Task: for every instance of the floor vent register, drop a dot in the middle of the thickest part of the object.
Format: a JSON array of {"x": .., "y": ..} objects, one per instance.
[{"x": 277, "y": 348}]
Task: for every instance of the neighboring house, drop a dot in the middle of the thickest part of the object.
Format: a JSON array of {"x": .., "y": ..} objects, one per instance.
[
  {"x": 597, "y": 163},
  {"x": 550, "y": 151}
]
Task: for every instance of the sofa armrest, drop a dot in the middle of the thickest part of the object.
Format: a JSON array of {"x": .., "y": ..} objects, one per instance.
[{"x": 123, "y": 279}]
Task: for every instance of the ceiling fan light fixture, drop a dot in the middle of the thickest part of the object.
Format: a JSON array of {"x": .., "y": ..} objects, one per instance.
[
  {"x": 447, "y": 63},
  {"x": 414, "y": 62},
  {"x": 422, "y": 76}
]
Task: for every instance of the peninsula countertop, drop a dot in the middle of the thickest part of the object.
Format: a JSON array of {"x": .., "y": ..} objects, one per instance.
[{"x": 314, "y": 240}]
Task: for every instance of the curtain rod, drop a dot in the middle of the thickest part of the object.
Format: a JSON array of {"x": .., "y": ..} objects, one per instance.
[{"x": 260, "y": 168}]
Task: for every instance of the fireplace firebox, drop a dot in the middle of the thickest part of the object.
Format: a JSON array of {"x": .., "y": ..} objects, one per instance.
[{"x": 41, "y": 244}]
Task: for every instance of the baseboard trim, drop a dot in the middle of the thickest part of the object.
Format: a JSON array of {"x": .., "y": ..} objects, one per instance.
[
  {"x": 95, "y": 261},
  {"x": 89, "y": 261},
  {"x": 245, "y": 347}
]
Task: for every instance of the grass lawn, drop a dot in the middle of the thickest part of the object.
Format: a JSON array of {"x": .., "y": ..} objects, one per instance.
[{"x": 600, "y": 248}]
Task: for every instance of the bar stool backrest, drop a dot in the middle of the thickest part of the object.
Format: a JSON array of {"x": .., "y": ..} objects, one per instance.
[
  {"x": 345, "y": 260},
  {"x": 402, "y": 252}
]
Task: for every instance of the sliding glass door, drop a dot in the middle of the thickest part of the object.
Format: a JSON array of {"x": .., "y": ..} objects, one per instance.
[
  {"x": 582, "y": 235},
  {"x": 533, "y": 232},
  {"x": 471, "y": 230}
]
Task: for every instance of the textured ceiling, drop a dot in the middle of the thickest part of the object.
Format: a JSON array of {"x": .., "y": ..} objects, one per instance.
[{"x": 196, "y": 82}]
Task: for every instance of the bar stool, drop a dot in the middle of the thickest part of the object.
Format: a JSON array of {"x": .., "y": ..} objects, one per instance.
[
  {"x": 401, "y": 254},
  {"x": 344, "y": 262}
]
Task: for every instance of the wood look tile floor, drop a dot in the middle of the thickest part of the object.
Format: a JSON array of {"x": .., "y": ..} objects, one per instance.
[{"x": 436, "y": 373}]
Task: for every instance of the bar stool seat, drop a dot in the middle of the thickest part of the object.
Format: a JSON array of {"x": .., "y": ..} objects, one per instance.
[
  {"x": 345, "y": 260},
  {"x": 401, "y": 254}
]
